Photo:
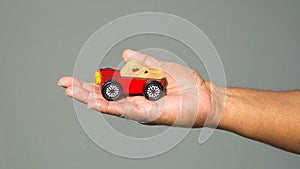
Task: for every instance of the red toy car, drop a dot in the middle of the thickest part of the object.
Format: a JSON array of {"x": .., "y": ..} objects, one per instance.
[{"x": 114, "y": 85}]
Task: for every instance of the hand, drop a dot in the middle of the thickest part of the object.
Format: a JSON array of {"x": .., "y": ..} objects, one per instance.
[{"x": 188, "y": 101}]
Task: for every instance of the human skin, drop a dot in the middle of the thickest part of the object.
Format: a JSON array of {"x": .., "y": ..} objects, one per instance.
[{"x": 271, "y": 117}]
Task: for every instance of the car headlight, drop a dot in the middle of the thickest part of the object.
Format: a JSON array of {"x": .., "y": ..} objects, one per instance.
[{"x": 98, "y": 78}]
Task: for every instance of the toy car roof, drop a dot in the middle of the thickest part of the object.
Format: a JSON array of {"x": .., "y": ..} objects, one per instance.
[{"x": 112, "y": 72}]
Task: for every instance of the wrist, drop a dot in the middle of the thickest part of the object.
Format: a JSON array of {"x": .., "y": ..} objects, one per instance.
[{"x": 216, "y": 117}]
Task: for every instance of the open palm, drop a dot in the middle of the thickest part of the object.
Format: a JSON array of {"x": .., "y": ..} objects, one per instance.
[{"x": 187, "y": 102}]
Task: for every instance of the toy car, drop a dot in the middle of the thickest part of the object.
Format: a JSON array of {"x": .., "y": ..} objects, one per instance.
[{"x": 113, "y": 85}]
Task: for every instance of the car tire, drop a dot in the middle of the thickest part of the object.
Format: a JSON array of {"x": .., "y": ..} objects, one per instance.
[
  {"x": 111, "y": 90},
  {"x": 153, "y": 90}
]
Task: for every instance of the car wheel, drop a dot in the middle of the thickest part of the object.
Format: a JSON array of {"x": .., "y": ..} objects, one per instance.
[
  {"x": 111, "y": 90},
  {"x": 153, "y": 90}
]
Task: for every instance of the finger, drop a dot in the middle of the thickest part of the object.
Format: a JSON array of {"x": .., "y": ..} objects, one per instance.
[
  {"x": 104, "y": 106},
  {"x": 122, "y": 108},
  {"x": 69, "y": 81},
  {"x": 78, "y": 93},
  {"x": 90, "y": 86},
  {"x": 134, "y": 55},
  {"x": 94, "y": 93}
]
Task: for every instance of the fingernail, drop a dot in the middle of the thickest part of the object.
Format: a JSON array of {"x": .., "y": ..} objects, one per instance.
[{"x": 129, "y": 50}]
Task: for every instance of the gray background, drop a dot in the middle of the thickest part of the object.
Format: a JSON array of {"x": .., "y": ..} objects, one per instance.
[{"x": 258, "y": 42}]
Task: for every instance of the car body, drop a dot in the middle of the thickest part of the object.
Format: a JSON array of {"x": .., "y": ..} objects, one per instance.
[{"x": 113, "y": 85}]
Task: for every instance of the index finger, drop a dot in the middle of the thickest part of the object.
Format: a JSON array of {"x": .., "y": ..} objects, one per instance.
[{"x": 129, "y": 55}]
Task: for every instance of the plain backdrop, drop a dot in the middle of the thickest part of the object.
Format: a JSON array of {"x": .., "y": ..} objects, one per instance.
[{"x": 258, "y": 42}]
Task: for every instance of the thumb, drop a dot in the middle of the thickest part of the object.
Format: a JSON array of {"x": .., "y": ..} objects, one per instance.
[{"x": 129, "y": 55}]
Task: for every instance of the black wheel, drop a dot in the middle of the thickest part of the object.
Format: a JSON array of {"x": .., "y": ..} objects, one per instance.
[
  {"x": 153, "y": 90},
  {"x": 111, "y": 90}
]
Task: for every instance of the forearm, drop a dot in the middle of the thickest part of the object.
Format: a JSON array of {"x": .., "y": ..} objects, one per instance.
[{"x": 267, "y": 116}]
